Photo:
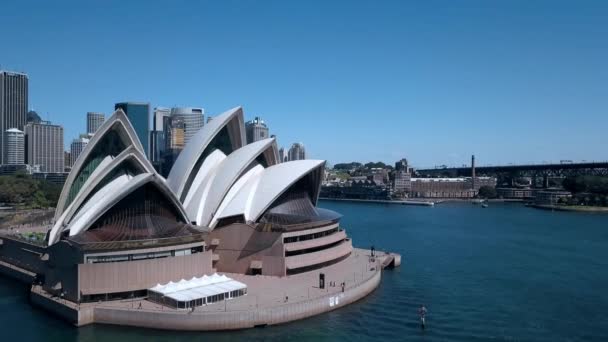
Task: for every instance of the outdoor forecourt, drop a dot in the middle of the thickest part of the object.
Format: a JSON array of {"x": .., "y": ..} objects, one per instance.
[{"x": 231, "y": 239}]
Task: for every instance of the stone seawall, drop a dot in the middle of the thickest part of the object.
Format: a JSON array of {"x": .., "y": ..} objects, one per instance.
[
  {"x": 17, "y": 273},
  {"x": 44, "y": 302},
  {"x": 238, "y": 319}
]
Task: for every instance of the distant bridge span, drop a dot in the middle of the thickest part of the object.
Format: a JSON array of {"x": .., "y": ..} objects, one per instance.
[{"x": 530, "y": 170}]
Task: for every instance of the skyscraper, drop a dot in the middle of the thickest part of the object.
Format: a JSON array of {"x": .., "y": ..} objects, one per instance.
[
  {"x": 281, "y": 155},
  {"x": 193, "y": 120},
  {"x": 76, "y": 148},
  {"x": 94, "y": 121},
  {"x": 256, "y": 130},
  {"x": 160, "y": 113},
  {"x": 176, "y": 134},
  {"x": 175, "y": 137},
  {"x": 157, "y": 136},
  {"x": 67, "y": 161},
  {"x": 139, "y": 116},
  {"x": 44, "y": 146},
  {"x": 13, "y": 104},
  {"x": 14, "y": 146},
  {"x": 297, "y": 152}
]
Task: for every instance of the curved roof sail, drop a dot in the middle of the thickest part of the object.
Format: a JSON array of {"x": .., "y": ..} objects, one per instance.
[
  {"x": 267, "y": 186},
  {"x": 205, "y": 173},
  {"x": 113, "y": 137},
  {"x": 129, "y": 162},
  {"x": 225, "y": 132},
  {"x": 209, "y": 196},
  {"x": 115, "y": 192}
]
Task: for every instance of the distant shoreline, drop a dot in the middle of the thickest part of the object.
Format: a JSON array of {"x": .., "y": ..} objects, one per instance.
[
  {"x": 420, "y": 201},
  {"x": 402, "y": 202},
  {"x": 578, "y": 208}
]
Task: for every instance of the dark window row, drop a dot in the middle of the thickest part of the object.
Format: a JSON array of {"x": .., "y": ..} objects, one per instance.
[
  {"x": 142, "y": 256},
  {"x": 306, "y": 237},
  {"x": 313, "y": 249}
]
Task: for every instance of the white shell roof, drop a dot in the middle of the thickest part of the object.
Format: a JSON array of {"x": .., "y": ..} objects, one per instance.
[
  {"x": 225, "y": 174},
  {"x": 200, "y": 185},
  {"x": 265, "y": 187},
  {"x": 223, "y": 186},
  {"x": 188, "y": 157},
  {"x": 235, "y": 190},
  {"x": 107, "y": 165},
  {"x": 118, "y": 118},
  {"x": 112, "y": 194}
]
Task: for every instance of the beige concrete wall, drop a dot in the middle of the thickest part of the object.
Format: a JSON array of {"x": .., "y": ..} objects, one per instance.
[
  {"x": 240, "y": 244},
  {"x": 314, "y": 258},
  {"x": 310, "y": 231},
  {"x": 141, "y": 274}
]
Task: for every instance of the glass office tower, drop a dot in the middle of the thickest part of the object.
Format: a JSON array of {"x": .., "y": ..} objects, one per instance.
[{"x": 139, "y": 114}]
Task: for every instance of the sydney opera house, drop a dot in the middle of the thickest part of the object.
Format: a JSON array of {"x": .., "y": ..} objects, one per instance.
[{"x": 230, "y": 224}]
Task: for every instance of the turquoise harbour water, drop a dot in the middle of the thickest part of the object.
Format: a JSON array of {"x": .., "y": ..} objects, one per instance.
[{"x": 504, "y": 273}]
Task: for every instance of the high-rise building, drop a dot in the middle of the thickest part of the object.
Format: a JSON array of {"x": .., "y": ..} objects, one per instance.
[
  {"x": 402, "y": 165},
  {"x": 281, "y": 155},
  {"x": 32, "y": 116},
  {"x": 256, "y": 130},
  {"x": 13, "y": 104},
  {"x": 76, "y": 148},
  {"x": 296, "y": 152},
  {"x": 158, "y": 120},
  {"x": 44, "y": 146},
  {"x": 14, "y": 147},
  {"x": 174, "y": 138},
  {"x": 192, "y": 119},
  {"x": 139, "y": 116},
  {"x": 176, "y": 134},
  {"x": 67, "y": 161},
  {"x": 94, "y": 121},
  {"x": 172, "y": 129},
  {"x": 157, "y": 136}
]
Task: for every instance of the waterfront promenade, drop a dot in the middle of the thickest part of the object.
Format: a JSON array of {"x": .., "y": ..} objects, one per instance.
[{"x": 270, "y": 300}]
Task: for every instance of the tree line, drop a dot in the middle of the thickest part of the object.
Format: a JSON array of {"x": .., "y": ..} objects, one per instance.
[
  {"x": 357, "y": 165},
  {"x": 23, "y": 191}
]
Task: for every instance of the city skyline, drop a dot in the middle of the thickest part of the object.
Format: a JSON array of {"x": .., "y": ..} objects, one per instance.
[{"x": 430, "y": 83}]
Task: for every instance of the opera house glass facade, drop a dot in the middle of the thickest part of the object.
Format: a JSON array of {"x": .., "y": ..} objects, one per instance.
[{"x": 123, "y": 231}]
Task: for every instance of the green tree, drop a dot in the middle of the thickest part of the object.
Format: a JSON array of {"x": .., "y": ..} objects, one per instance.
[
  {"x": 592, "y": 184},
  {"x": 372, "y": 165},
  {"x": 487, "y": 192},
  {"x": 22, "y": 190}
]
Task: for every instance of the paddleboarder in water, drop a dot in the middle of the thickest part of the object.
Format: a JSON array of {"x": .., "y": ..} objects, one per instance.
[{"x": 422, "y": 313}]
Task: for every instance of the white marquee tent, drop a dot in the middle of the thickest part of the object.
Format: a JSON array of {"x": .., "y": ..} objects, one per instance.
[{"x": 186, "y": 294}]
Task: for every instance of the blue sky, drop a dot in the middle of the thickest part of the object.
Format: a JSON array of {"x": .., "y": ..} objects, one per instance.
[{"x": 433, "y": 81}]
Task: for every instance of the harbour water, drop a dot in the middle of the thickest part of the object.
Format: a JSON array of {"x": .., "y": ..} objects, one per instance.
[{"x": 503, "y": 273}]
